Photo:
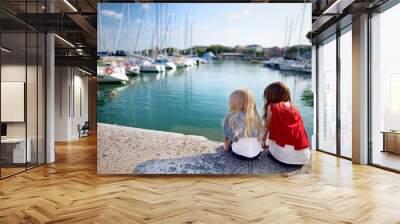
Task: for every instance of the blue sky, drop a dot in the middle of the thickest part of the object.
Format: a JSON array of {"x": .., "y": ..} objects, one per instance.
[{"x": 228, "y": 24}]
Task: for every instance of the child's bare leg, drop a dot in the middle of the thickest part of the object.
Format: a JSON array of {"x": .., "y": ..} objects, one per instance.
[{"x": 227, "y": 145}]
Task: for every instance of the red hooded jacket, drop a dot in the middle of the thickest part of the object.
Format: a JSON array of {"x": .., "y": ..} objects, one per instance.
[{"x": 286, "y": 126}]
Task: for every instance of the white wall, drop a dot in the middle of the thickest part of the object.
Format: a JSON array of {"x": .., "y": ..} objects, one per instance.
[
  {"x": 33, "y": 126},
  {"x": 69, "y": 112}
]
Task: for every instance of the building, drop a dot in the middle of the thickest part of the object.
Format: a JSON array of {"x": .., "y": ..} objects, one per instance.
[
  {"x": 231, "y": 56},
  {"x": 273, "y": 52},
  {"x": 255, "y": 47}
]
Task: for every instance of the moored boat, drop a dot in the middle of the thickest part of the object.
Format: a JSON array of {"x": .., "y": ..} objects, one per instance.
[
  {"x": 286, "y": 65},
  {"x": 132, "y": 69},
  {"x": 169, "y": 65},
  {"x": 111, "y": 72},
  {"x": 152, "y": 67}
]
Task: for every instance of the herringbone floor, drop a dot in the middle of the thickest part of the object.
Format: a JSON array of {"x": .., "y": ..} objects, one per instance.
[{"x": 69, "y": 191}]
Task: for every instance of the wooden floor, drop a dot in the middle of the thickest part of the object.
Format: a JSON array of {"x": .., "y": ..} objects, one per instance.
[
  {"x": 387, "y": 159},
  {"x": 69, "y": 191}
]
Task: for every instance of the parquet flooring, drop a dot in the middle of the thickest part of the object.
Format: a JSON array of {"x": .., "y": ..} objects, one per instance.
[{"x": 70, "y": 191}]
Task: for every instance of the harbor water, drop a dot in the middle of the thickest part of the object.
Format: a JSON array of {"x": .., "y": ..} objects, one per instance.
[{"x": 194, "y": 100}]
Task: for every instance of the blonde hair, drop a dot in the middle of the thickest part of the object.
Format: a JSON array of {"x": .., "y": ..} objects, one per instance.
[{"x": 242, "y": 100}]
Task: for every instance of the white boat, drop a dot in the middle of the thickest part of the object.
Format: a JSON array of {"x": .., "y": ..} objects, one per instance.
[
  {"x": 182, "y": 62},
  {"x": 301, "y": 66},
  {"x": 275, "y": 62},
  {"x": 198, "y": 60},
  {"x": 267, "y": 63},
  {"x": 152, "y": 67},
  {"x": 286, "y": 65},
  {"x": 169, "y": 65},
  {"x": 297, "y": 66},
  {"x": 111, "y": 72},
  {"x": 132, "y": 69}
]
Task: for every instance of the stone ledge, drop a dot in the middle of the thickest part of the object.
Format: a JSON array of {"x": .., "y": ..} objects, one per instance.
[{"x": 126, "y": 150}]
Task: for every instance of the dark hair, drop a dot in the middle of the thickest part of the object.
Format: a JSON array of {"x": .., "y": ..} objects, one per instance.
[{"x": 274, "y": 93}]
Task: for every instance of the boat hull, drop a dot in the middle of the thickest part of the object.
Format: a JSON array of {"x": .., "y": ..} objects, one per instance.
[
  {"x": 116, "y": 75},
  {"x": 113, "y": 78},
  {"x": 152, "y": 68},
  {"x": 133, "y": 70},
  {"x": 170, "y": 65}
]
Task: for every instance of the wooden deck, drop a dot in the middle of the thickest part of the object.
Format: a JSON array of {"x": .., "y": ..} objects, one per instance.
[{"x": 70, "y": 191}]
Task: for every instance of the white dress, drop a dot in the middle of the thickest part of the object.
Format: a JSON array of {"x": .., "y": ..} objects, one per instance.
[
  {"x": 247, "y": 147},
  {"x": 288, "y": 154}
]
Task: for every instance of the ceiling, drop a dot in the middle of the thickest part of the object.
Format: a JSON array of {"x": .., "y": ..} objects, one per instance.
[{"x": 76, "y": 21}]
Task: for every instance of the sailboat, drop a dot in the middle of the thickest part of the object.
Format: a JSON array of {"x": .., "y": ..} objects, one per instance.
[
  {"x": 131, "y": 67},
  {"x": 152, "y": 67},
  {"x": 286, "y": 64},
  {"x": 111, "y": 72},
  {"x": 163, "y": 59},
  {"x": 111, "y": 69},
  {"x": 169, "y": 65},
  {"x": 300, "y": 64}
]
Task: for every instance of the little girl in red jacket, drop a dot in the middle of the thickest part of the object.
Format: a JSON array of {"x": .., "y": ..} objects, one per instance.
[{"x": 285, "y": 132}]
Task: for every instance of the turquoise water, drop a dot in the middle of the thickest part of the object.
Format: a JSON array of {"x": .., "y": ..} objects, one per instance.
[{"x": 194, "y": 100}]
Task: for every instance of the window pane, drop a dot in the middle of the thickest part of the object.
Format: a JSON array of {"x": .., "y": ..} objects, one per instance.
[
  {"x": 31, "y": 97},
  {"x": 327, "y": 97},
  {"x": 346, "y": 94},
  {"x": 13, "y": 86},
  {"x": 41, "y": 99},
  {"x": 385, "y": 86}
]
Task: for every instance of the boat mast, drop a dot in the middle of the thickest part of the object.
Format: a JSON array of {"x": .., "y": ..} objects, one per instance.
[
  {"x": 166, "y": 28},
  {"x": 186, "y": 34},
  {"x": 129, "y": 49},
  {"x": 285, "y": 40},
  {"x": 139, "y": 30},
  {"x": 120, "y": 28},
  {"x": 191, "y": 38},
  {"x": 301, "y": 28}
]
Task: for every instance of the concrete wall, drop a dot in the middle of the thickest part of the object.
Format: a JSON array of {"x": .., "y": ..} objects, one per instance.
[{"x": 71, "y": 102}]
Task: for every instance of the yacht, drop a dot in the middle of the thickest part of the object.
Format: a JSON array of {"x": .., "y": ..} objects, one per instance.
[
  {"x": 182, "y": 62},
  {"x": 152, "y": 67},
  {"x": 267, "y": 63},
  {"x": 286, "y": 65},
  {"x": 199, "y": 60},
  {"x": 275, "y": 62},
  {"x": 169, "y": 65},
  {"x": 132, "y": 68},
  {"x": 111, "y": 72}
]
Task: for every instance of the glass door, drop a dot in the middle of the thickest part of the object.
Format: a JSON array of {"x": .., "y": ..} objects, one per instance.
[
  {"x": 326, "y": 108},
  {"x": 346, "y": 94},
  {"x": 385, "y": 90},
  {"x": 22, "y": 78}
]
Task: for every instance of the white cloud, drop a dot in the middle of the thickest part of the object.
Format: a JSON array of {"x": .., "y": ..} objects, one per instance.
[
  {"x": 232, "y": 30},
  {"x": 112, "y": 14},
  {"x": 245, "y": 12},
  {"x": 233, "y": 16},
  {"x": 238, "y": 15}
]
